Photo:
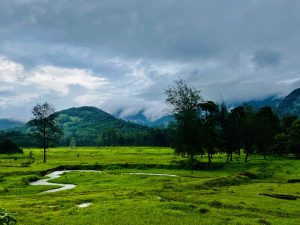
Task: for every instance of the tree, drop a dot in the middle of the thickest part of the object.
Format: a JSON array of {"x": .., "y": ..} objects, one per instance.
[
  {"x": 232, "y": 131},
  {"x": 72, "y": 145},
  {"x": 248, "y": 132},
  {"x": 293, "y": 145},
  {"x": 267, "y": 127},
  {"x": 209, "y": 133},
  {"x": 185, "y": 102},
  {"x": 280, "y": 144},
  {"x": 44, "y": 127}
]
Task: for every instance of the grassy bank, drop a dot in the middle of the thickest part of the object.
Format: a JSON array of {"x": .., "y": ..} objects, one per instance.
[{"x": 234, "y": 193}]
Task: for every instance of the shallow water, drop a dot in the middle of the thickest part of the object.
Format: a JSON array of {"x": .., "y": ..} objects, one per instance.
[
  {"x": 57, "y": 174},
  {"x": 84, "y": 205}
]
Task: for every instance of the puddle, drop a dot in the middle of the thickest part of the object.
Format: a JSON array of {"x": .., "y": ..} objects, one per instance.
[{"x": 84, "y": 205}]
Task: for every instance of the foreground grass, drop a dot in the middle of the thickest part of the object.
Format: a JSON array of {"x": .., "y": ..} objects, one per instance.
[{"x": 220, "y": 194}]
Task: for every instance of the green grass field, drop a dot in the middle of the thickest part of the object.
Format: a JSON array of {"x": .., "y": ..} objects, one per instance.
[{"x": 220, "y": 194}]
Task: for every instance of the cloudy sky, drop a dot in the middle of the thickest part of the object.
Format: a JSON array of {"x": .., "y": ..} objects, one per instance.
[{"x": 123, "y": 54}]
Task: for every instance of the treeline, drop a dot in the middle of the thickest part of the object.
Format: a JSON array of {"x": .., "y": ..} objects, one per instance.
[
  {"x": 203, "y": 127},
  {"x": 19, "y": 137},
  {"x": 119, "y": 137},
  {"x": 115, "y": 137}
]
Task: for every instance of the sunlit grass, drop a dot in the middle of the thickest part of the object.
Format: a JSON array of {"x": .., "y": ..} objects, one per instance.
[{"x": 216, "y": 195}]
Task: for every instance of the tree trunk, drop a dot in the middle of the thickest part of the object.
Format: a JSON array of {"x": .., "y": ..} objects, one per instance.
[
  {"x": 44, "y": 139},
  {"x": 228, "y": 157},
  {"x": 209, "y": 159},
  {"x": 265, "y": 157},
  {"x": 246, "y": 158},
  {"x": 231, "y": 157},
  {"x": 192, "y": 157},
  {"x": 44, "y": 155}
]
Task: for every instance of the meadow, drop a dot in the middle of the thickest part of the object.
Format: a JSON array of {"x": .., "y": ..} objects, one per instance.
[{"x": 221, "y": 193}]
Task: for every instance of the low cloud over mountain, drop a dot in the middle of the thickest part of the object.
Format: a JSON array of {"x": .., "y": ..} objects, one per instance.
[{"x": 121, "y": 55}]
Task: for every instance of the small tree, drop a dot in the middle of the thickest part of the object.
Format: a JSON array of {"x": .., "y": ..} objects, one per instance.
[
  {"x": 72, "y": 143},
  {"x": 44, "y": 126},
  {"x": 185, "y": 102}
]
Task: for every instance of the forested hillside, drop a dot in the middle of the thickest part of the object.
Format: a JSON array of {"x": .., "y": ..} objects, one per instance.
[{"x": 92, "y": 126}]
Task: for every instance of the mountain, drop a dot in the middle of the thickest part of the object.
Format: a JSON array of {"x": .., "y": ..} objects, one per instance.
[
  {"x": 141, "y": 119},
  {"x": 291, "y": 103},
  {"x": 87, "y": 123},
  {"x": 6, "y": 124},
  {"x": 272, "y": 101}
]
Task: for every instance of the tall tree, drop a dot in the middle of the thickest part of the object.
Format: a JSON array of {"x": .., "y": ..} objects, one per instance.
[
  {"x": 185, "y": 106},
  {"x": 248, "y": 132},
  {"x": 294, "y": 139},
  {"x": 267, "y": 127},
  {"x": 44, "y": 126},
  {"x": 236, "y": 116},
  {"x": 209, "y": 133}
]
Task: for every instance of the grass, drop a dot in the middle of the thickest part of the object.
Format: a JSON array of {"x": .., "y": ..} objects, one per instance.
[{"x": 219, "y": 194}]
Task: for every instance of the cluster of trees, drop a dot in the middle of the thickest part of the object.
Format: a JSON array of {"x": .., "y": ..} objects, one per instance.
[
  {"x": 18, "y": 137},
  {"x": 117, "y": 137},
  {"x": 205, "y": 127}
]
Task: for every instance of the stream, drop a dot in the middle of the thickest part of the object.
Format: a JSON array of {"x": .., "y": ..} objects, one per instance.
[{"x": 57, "y": 174}]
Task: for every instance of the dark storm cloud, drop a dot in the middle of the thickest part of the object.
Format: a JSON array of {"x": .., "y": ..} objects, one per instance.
[{"x": 237, "y": 49}]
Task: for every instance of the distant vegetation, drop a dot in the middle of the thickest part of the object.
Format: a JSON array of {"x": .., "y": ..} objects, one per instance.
[
  {"x": 198, "y": 127},
  {"x": 6, "y": 124}
]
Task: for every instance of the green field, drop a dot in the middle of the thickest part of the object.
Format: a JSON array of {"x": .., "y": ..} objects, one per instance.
[{"x": 218, "y": 194}]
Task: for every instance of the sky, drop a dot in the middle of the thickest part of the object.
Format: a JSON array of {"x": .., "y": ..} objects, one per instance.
[{"x": 121, "y": 55}]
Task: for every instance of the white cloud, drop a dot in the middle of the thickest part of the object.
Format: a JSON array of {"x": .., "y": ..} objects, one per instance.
[
  {"x": 20, "y": 87},
  {"x": 59, "y": 79},
  {"x": 17, "y": 100},
  {"x": 10, "y": 71},
  {"x": 123, "y": 55},
  {"x": 92, "y": 99}
]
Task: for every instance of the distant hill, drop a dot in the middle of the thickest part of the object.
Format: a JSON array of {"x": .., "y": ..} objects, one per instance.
[
  {"x": 291, "y": 103},
  {"x": 141, "y": 119},
  {"x": 272, "y": 101},
  {"x": 6, "y": 124},
  {"x": 87, "y": 123}
]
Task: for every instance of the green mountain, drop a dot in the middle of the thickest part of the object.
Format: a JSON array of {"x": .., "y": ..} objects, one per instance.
[
  {"x": 291, "y": 104},
  {"x": 6, "y": 124},
  {"x": 89, "y": 124}
]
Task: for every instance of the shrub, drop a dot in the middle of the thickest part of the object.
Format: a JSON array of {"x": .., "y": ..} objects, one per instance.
[
  {"x": 6, "y": 218},
  {"x": 9, "y": 147}
]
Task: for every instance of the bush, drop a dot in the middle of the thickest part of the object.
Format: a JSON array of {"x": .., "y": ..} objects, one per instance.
[
  {"x": 9, "y": 147},
  {"x": 6, "y": 218},
  {"x": 29, "y": 179}
]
